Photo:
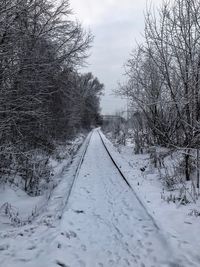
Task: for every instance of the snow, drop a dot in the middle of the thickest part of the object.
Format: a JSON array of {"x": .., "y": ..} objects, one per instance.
[
  {"x": 24, "y": 207},
  {"x": 104, "y": 223},
  {"x": 101, "y": 224},
  {"x": 22, "y": 246},
  {"x": 20, "y": 202},
  {"x": 180, "y": 228}
]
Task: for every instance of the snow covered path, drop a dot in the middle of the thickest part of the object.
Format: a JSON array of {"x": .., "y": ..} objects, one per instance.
[{"x": 104, "y": 223}]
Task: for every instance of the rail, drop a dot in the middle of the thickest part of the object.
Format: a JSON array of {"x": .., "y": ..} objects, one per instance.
[{"x": 127, "y": 182}]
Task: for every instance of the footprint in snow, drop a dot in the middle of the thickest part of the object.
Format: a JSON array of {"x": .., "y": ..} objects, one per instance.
[
  {"x": 149, "y": 250},
  {"x": 140, "y": 243},
  {"x": 82, "y": 263},
  {"x": 4, "y": 247},
  {"x": 79, "y": 211},
  {"x": 31, "y": 248},
  {"x": 138, "y": 257},
  {"x": 59, "y": 263},
  {"x": 24, "y": 260},
  {"x": 83, "y": 247},
  {"x": 69, "y": 235},
  {"x": 127, "y": 262},
  {"x": 118, "y": 258},
  {"x": 73, "y": 234},
  {"x": 111, "y": 262},
  {"x": 144, "y": 226}
]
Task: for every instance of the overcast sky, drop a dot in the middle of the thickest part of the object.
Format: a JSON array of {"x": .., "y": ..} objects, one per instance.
[{"x": 116, "y": 25}]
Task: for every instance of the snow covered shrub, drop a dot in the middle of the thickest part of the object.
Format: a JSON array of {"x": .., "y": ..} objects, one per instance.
[
  {"x": 11, "y": 213},
  {"x": 67, "y": 149},
  {"x": 195, "y": 213},
  {"x": 183, "y": 198},
  {"x": 140, "y": 141},
  {"x": 169, "y": 174},
  {"x": 34, "y": 170},
  {"x": 168, "y": 198},
  {"x": 179, "y": 197},
  {"x": 170, "y": 180},
  {"x": 153, "y": 156}
]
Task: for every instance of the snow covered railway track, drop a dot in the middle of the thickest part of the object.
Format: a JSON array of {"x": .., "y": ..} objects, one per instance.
[
  {"x": 105, "y": 222},
  {"x": 102, "y": 222},
  {"x": 59, "y": 199},
  {"x": 127, "y": 182},
  {"x": 175, "y": 259},
  {"x": 77, "y": 170}
]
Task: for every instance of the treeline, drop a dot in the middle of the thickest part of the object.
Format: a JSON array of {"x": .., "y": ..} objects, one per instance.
[
  {"x": 164, "y": 78},
  {"x": 43, "y": 98}
]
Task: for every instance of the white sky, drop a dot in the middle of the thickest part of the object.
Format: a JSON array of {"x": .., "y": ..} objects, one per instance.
[{"x": 116, "y": 25}]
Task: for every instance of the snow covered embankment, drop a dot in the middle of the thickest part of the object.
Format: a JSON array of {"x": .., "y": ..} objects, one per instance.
[
  {"x": 181, "y": 229},
  {"x": 17, "y": 208},
  {"x": 25, "y": 245}
]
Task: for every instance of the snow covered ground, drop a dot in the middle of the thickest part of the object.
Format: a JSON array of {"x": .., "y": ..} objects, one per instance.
[
  {"x": 101, "y": 224},
  {"x": 15, "y": 241},
  {"x": 23, "y": 207},
  {"x": 180, "y": 228}
]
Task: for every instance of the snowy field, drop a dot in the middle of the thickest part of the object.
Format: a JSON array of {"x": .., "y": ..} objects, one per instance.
[{"x": 104, "y": 223}]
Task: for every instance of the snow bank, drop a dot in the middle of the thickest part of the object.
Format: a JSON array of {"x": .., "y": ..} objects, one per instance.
[
  {"x": 180, "y": 227},
  {"x": 17, "y": 207}
]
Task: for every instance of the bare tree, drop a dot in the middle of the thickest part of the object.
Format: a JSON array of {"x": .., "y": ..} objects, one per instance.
[
  {"x": 163, "y": 75},
  {"x": 40, "y": 44}
]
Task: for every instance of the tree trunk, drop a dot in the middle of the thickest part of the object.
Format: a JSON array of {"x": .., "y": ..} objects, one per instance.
[
  {"x": 187, "y": 166},
  {"x": 198, "y": 169}
]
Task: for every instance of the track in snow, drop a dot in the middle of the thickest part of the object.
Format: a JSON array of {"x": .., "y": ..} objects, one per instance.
[
  {"x": 105, "y": 224},
  {"x": 77, "y": 170},
  {"x": 126, "y": 181}
]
